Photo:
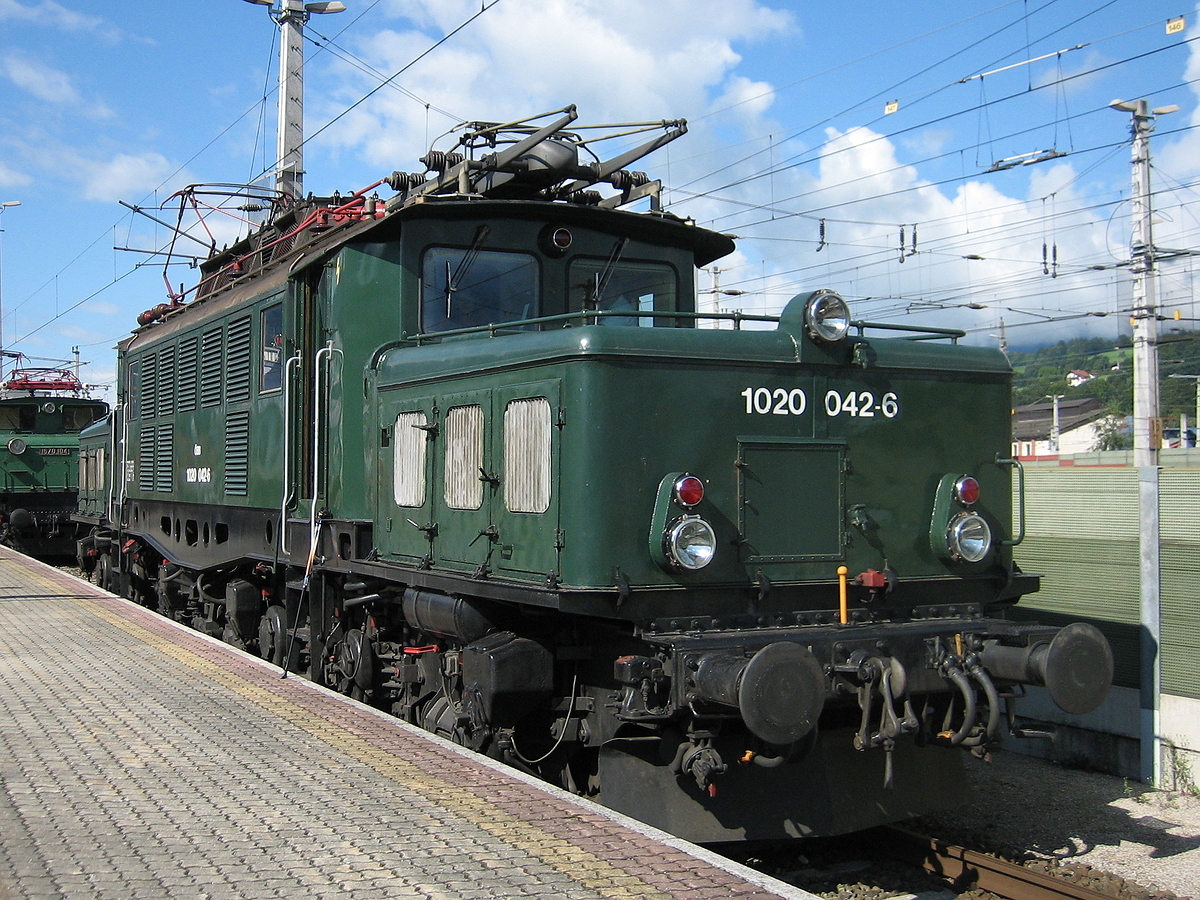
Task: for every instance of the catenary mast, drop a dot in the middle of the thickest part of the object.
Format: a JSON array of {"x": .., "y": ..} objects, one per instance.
[{"x": 291, "y": 16}]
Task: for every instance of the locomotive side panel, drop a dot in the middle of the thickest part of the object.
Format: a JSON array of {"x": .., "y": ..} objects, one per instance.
[{"x": 202, "y": 427}]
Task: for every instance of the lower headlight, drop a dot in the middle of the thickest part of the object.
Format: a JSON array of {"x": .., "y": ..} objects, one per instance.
[
  {"x": 689, "y": 543},
  {"x": 969, "y": 537},
  {"x": 16, "y": 446}
]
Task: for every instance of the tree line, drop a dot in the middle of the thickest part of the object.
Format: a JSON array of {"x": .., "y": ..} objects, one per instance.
[{"x": 1042, "y": 373}]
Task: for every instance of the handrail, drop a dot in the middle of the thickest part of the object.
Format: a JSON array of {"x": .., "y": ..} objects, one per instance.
[
  {"x": 928, "y": 332},
  {"x": 1016, "y": 464},
  {"x": 593, "y": 316},
  {"x": 289, "y": 490},
  {"x": 589, "y": 317},
  {"x": 327, "y": 351}
]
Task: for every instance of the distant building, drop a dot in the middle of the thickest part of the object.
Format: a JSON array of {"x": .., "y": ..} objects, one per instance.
[
  {"x": 1079, "y": 423},
  {"x": 1076, "y": 377}
]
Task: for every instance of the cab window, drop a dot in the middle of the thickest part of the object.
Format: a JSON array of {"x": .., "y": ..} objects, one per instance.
[
  {"x": 18, "y": 418},
  {"x": 271, "y": 377},
  {"x": 77, "y": 418},
  {"x": 629, "y": 287},
  {"x": 465, "y": 288}
]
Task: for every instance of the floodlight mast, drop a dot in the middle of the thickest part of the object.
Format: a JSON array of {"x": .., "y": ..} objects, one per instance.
[{"x": 291, "y": 15}]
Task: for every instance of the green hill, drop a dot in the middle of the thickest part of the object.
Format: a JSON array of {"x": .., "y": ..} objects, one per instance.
[{"x": 1043, "y": 372}]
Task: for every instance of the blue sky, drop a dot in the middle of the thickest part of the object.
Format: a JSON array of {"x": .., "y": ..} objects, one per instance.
[{"x": 130, "y": 100}]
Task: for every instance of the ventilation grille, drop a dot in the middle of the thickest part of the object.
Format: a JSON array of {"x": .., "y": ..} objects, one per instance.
[
  {"x": 237, "y": 453},
  {"x": 146, "y": 458},
  {"x": 527, "y": 433},
  {"x": 164, "y": 459},
  {"x": 211, "y": 364},
  {"x": 166, "y": 381},
  {"x": 238, "y": 383},
  {"x": 189, "y": 354},
  {"x": 149, "y": 404},
  {"x": 408, "y": 459},
  {"x": 464, "y": 457}
]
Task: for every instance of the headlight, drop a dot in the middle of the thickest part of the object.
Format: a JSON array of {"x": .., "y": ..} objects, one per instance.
[
  {"x": 969, "y": 537},
  {"x": 17, "y": 446},
  {"x": 827, "y": 316},
  {"x": 689, "y": 543}
]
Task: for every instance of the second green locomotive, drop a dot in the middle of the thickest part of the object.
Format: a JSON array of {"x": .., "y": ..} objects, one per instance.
[
  {"x": 42, "y": 411},
  {"x": 473, "y": 456}
]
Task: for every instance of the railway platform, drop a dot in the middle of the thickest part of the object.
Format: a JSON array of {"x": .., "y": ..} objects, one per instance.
[{"x": 140, "y": 759}]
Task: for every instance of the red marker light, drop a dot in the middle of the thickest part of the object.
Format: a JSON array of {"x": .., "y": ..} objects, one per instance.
[
  {"x": 689, "y": 490},
  {"x": 966, "y": 490},
  {"x": 561, "y": 238}
]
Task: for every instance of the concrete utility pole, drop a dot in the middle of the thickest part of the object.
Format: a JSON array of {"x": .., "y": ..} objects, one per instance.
[
  {"x": 1145, "y": 416},
  {"x": 291, "y": 15},
  {"x": 1055, "y": 431}
]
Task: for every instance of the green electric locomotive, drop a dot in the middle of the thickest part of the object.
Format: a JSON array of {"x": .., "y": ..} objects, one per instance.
[
  {"x": 473, "y": 456},
  {"x": 42, "y": 411}
]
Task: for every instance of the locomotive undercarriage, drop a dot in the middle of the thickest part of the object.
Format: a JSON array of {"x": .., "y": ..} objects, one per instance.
[
  {"x": 38, "y": 523},
  {"x": 664, "y": 725}
]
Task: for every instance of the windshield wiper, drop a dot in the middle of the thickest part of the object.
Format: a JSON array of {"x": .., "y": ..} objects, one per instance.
[
  {"x": 603, "y": 276},
  {"x": 464, "y": 265}
]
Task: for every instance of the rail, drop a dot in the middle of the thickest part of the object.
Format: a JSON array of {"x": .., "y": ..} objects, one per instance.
[{"x": 966, "y": 869}]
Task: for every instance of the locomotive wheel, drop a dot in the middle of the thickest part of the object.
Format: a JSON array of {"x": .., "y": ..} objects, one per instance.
[
  {"x": 354, "y": 665},
  {"x": 104, "y": 576},
  {"x": 273, "y": 638}
]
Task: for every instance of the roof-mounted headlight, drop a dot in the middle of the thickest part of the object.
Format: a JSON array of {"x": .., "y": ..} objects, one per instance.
[
  {"x": 827, "y": 317},
  {"x": 969, "y": 537},
  {"x": 689, "y": 543}
]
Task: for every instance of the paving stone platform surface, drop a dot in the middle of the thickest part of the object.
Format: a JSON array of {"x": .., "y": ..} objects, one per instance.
[{"x": 140, "y": 759}]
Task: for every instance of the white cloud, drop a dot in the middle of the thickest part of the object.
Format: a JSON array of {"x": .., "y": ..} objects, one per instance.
[
  {"x": 867, "y": 196},
  {"x": 48, "y": 84},
  {"x": 748, "y": 100},
  {"x": 616, "y": 59},
  {"x": 38, "y": 79},
  {"x": 123, "y": 176},
  {"x": 1180, "y": 157},
  {"x": 12, "y": 178},
  {"x": 49, "y": 14}
]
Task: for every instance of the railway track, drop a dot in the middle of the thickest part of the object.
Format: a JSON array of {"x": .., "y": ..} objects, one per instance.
[
  {"x": 893, "y": 862},
  {"x": 965, "y": 869}
]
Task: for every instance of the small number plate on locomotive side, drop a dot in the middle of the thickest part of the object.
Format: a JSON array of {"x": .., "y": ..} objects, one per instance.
[{"x": 55, "y": 451}]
